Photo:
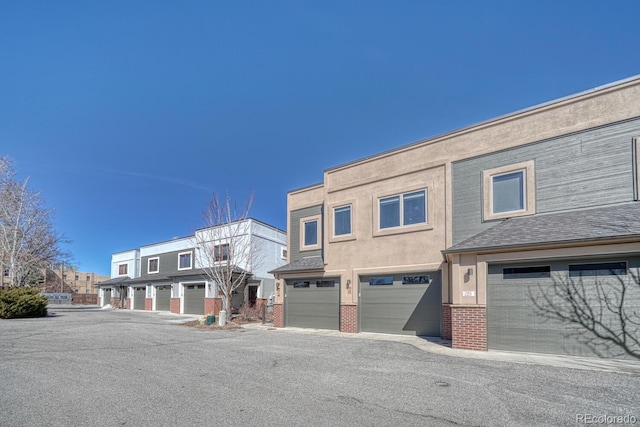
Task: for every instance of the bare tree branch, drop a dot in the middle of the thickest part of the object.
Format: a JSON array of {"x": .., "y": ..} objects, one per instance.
[
  {"x": 28, "y": 240},
  {"x": 226, "y": 250},
  {"x": 602, "y": 311}
]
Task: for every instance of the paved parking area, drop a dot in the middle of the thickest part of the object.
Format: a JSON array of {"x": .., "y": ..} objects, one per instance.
[{"x": 83, "y": 367}]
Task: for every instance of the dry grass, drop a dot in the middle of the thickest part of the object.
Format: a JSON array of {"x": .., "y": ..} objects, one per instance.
[{"x": 214, "y": 327}]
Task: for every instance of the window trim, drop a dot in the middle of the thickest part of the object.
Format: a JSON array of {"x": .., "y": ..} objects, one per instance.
[
  {"x": 190, "y": 253},
  {"x": 217, "y": 251},
  {"x": 410, "y": 228},
  {"x": 332, "y": 221},
  {"x": 304, "y": 220},
  {"x": 149, "y": 264},
  {"x": 529, "y": 190},
  {"x": 283, "y": 253},
  {"x": 126, "y": 269}
]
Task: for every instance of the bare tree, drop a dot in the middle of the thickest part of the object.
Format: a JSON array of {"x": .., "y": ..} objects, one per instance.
[
  {"x": 225, "y": 249},
  {"x": 605, "y": 313},
  {"x": 28, "y": 239}
]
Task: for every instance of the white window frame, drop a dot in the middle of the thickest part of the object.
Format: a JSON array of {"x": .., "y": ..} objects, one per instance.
[
  {"x": 149, "y": 264},
  {"x": 190, "y": 253},
  {"x": 283, "y": 253},
  {"x": 126, "y": 269},
  {"x": 303, "y": 221},
  {"x": 529, "y": 188}
]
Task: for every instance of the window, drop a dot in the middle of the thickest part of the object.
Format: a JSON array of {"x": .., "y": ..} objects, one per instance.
[
  {"x": 325, "y": 284},
  {"x": 76, "y": 278},
  {"x": 153, "y": 265},
  {"x": 301, "y": 284},
  {"x": 184, "y": 261},
  {"x": 380, "y": 281},
  {"x": 537, "y": 272},
  {"x": 64, "y": 277},
  {"x": 416, "y": 280},
  {"x": 598, "y": 269},
  {"x": 221, "y": 252},
  {"x": 509, "y": 191},
  {"x": 342, "y": 220},
  {"x": 403, "y": 209},
  {"x": 283, "y": 253},
  {"x": 310, "y": 233},
  {"x": 122, "y": 269},
  {"x": 88, "y": 278}
]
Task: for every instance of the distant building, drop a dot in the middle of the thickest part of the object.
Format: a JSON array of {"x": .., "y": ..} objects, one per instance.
[
  {"x": 171, "y": 276},
  {"x": 69, "y": 280}
]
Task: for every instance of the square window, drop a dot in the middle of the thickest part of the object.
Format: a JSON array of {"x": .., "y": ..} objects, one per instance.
[
  {"x": 509, "y": 191},
  {"x": 122, "y": 269},
  {"x": 342, "y": 221},
  {"x": 403, "y": 209},
  {"x": 154, "y": 265},
  {"x": 184, "y": 261}
]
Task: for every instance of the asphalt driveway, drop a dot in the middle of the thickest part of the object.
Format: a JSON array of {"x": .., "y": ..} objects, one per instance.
[{"x": 85, "y": 367}]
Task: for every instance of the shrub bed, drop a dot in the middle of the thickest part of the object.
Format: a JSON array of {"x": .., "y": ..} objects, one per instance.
[{"x": 17, "y": 302}]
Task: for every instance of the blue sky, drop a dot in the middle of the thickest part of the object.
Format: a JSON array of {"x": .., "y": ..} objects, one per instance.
[{"x": 127, "y": 115}]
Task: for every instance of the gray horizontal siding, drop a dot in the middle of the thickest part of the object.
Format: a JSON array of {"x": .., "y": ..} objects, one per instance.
[
  {"x": 294, "y": 232},
  {"x": 591, "y": 168},
  {"x": 514, "y": 323},
  {"x": 168, "y": 262}
]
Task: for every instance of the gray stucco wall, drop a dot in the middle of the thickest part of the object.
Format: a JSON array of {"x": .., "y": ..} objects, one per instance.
[
  {"x": 586, "y": 169},
  {"x": 294, "y": 232}
]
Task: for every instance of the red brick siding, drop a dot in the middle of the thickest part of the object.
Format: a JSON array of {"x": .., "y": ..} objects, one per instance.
[
  {"x": 212, "y": 305},
  {"x": 128, "y": 304},
  {"x": 278, "y": 316},
  {"x": 174, "y": 305},
  {"x": 349, "y": 318},
  {"x": 469, "y": 328},
  {"x": 148, "y": 304},
  {"x": 446, "y": 321}
]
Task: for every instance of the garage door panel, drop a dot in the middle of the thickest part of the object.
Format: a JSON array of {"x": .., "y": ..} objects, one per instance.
[
  {"x": 194, "y": 299},
  {"x": 411, "y": 309},
  {"x": 313, "y": 307},
  {"x": 139, "y": 295},
  {"x": 163, "y": 298},
  {"x": 514, "y": 323}
]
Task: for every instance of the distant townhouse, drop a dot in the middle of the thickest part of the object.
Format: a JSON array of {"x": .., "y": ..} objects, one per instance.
[
  {"x": 171, "y": 275},
  {"x": 460, "y": 235}
]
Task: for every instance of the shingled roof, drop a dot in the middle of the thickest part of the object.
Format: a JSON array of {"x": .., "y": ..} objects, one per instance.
[
  {"x": 587, "y": 225},
  {"x": 303, "y": 264}
]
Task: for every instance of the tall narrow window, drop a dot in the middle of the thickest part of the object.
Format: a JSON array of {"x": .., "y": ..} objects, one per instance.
[
  {"x": 311, "y": 233},
  {"x": 122, "y": 269},
  {"x": 342, "y": 221},
  {"x": 184, "y": 261},
  {"x": 153, "y": 265},
  {"x": 221, "y": 252}
]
